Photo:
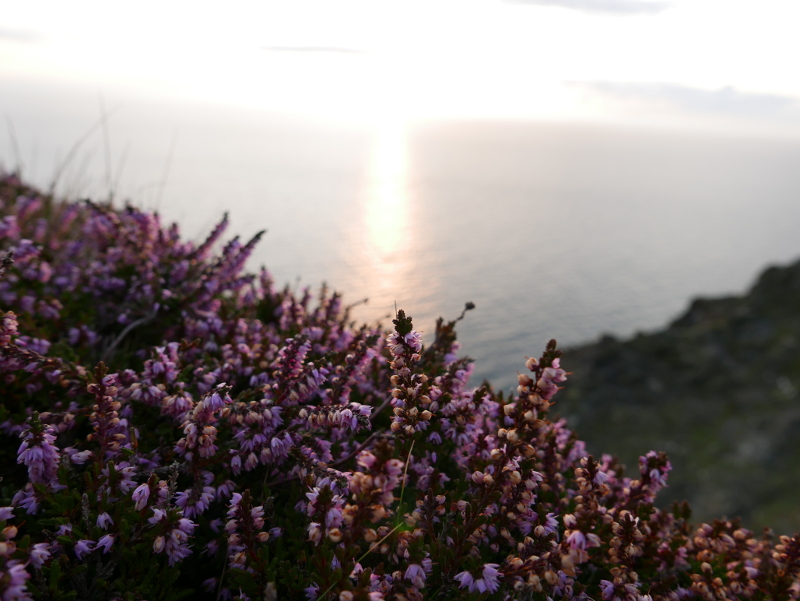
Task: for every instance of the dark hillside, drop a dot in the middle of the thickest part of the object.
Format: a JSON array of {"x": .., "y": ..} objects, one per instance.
[{"x": 717, "y": 390}]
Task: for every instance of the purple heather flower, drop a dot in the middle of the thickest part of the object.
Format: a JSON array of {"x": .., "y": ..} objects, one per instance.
[
  {"x": 465, "y": 580},
  {"x": 225, "y": 490},
  {"x": 416, "y": 574},
  {"x": 215, "y": 401},
  {"x": 6, "y": 513},
  {"x": 64, "y": 529},
  {"x": 175, "y": 544},
  {"x": 105, "y": 543},
  {"x": 104, "y": 521},
  {"x": 194, "y": 505},
  {"x": 607, "y": 589},
  {"x": 140, "y": 495},
  {"x": 576, "y": 539},
  {"x": 312, "y": 592},
  {"x": 15, "y": 587},
  {"x": 80, "y": 457},
  {"x": 488, "y": 581},
  {"x": 26, "y": 498},
  {"x": 212, "y": 547},
  {"x": 82, "y": 547},
  {"x": 159, "y": 515},
  {"x": 210, "y": 584},
  {"x": 39, "y": 554},
  {"x": 39, "y": 454}
]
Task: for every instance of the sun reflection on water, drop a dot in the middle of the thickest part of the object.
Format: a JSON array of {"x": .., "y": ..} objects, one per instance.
[
  {"x": 388, "y": 262},
  {"x": 387, "y": 207}
]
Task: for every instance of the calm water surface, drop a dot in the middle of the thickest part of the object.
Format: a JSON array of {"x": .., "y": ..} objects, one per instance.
[{"x": 552, "y": 230}]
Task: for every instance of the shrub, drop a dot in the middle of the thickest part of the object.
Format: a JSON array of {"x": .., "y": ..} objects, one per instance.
[{"x": 190, "y": 430}]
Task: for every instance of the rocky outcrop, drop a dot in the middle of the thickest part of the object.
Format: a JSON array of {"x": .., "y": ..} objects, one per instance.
[{"x": 717, "y": 389}]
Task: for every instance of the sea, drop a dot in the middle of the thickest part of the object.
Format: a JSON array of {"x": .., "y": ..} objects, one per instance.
[{"x": 552, "y": 229}]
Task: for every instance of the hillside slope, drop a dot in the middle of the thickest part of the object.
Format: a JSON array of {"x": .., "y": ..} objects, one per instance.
[{"x": 717, "y": 390}]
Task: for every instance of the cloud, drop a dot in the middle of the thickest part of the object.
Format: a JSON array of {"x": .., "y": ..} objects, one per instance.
[
  {"x": 619, "y": 7},
  {"x": 724, "y": 100},
  {"x": 314, "y": 49},
  {"x": 19, "y": 35}
]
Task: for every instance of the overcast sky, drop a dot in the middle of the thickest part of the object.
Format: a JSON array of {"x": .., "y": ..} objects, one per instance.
[{"x": 637, "y": 60}]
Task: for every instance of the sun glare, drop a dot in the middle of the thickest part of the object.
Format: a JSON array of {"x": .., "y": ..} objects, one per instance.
[
  {"x": 386, "y": 207},
  {"x": 388, "y": 241}
]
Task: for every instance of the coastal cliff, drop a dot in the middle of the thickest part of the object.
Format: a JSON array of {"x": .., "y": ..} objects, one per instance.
[{"x": 717, "y": 390}]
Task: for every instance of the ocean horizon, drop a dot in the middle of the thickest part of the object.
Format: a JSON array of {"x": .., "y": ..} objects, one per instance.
[{"x": 554, "y": 230}]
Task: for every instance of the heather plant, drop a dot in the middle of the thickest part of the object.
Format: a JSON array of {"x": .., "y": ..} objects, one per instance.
[{"x": 172, "y": 426}]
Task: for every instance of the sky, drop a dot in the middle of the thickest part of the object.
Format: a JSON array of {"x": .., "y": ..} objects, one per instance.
[{"x": 692, "y": 63}]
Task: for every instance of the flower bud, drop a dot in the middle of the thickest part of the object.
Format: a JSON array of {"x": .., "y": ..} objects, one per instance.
[{"x": 9, "y": 532}]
